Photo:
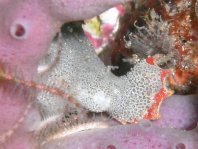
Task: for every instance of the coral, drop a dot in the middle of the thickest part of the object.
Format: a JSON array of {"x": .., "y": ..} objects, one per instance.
[
  {"x": 101, "y": 29},
  {"x": 151, "y": 38},
  {"x": 166, "y": 31}
]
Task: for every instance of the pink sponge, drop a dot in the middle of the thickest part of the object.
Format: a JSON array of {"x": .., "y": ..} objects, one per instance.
[
  {"x": 27, "y": 28},
  {"x": 179, "y": 112},
  {"x": 142, "y": 136}
]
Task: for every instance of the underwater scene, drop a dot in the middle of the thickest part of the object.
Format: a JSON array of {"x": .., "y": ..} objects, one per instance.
[{"x": 98, "y": 74}]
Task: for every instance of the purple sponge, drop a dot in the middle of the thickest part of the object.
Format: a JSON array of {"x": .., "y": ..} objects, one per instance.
[{"x": 179, "y": 112}]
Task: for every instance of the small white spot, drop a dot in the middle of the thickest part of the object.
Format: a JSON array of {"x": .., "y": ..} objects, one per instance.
[
  {"x": 42, "y": 68},
  {"x": 102, "y": 100},
  {"x": 110, "y": 16}
]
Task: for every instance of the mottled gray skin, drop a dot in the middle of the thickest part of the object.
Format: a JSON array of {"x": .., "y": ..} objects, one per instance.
[
  {"x": 96, "y": 88},
  {"x": 178, "y": 113}
]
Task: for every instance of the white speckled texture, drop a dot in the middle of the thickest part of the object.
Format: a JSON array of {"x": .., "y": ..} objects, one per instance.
[{"x": 127, "y": 97}]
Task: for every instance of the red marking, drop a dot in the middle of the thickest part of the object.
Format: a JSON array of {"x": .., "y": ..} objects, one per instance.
[
  {"x": 164, "y": 74},
  {"x": 150, "y": 60},
  {"x": 41, "y": 87},
  {"x": 153, "y": 112}
]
